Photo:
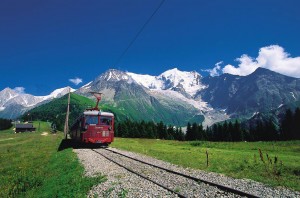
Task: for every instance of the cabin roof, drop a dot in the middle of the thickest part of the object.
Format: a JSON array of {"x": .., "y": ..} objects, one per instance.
[{"x": 24, "y": 126}]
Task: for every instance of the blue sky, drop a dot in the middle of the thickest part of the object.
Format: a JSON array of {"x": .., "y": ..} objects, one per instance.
[{"x": 43, "y": 44}]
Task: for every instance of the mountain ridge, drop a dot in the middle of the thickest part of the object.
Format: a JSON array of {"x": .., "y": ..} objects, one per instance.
[
  {"x": 177, "y": 96},
  {"x": 14, "y": 104}
]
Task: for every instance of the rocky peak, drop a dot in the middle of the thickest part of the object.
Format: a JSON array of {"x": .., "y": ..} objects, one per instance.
[{"x": 114, "y": 75}]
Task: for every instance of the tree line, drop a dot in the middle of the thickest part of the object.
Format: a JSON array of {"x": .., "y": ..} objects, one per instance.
[
  {"x": 289, "y": 129},
  {"x": 5, "y": 124},
  {"x": 152, "y": 130}
]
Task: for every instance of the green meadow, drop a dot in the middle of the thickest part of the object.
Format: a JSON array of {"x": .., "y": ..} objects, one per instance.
[
  {"x": 32, "y": 166},
  {"x": 273, "y": 163}
]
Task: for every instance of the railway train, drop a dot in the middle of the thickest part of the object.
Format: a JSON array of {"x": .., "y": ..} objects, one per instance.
[{"x": 94, "y": 126}]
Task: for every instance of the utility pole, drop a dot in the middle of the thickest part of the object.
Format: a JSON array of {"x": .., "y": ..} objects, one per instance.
[{"x": 66, "y": 128}]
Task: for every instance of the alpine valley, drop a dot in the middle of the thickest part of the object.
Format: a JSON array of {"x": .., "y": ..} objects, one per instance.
[{"x": 174, "y": 97}]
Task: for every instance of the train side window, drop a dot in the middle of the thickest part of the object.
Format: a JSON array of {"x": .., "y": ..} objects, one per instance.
[
  {"x": 105, "y": 120},
  {"x": 91, "y": 120}
]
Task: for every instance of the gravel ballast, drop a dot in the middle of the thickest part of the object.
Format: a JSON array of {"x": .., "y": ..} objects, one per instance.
[{"x": 120, "y": 181}]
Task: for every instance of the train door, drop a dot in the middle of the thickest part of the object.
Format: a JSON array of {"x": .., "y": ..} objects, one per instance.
[{"x": 90, "y": 123}]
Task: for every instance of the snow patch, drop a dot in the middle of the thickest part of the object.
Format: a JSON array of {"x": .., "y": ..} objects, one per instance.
[
  {"x": 279, "y": 106},
  {"x": 293, "y": 95},
  {"x": 147, "y": 81},
  {"x": 254, "y": 114},
  {"x": 60, "y": 92},
  {"x": 171, "y": 79},
  {"x": 198, "y": 104},
  {"x": 87, "y": 86},
  {"x": 109, "y": 76}
]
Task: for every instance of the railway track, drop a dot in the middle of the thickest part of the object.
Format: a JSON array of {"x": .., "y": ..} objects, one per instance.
[{"x": 177, "y": 183}]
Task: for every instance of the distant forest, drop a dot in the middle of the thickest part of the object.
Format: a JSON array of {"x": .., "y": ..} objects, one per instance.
[
  {"x": 228, "y": 131},
  {"x": 5, "y": 124}
]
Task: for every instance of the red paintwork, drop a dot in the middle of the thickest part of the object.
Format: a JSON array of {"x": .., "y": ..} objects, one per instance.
[{"x": 93, "y": 133}]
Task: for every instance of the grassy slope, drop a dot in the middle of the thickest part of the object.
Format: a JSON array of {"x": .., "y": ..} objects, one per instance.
[
  {"x": 31, "y": 166},
  {"x": 140, "y": 109},
  {"x": 239, "y": 160},
  {"x": 55, "y": 111}
]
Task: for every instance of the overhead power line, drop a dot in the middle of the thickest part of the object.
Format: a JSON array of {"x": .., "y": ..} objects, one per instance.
[{"x": 138, "y": 33}]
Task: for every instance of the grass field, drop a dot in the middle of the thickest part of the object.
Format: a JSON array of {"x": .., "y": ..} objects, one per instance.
[
  {"x": 32, "y": 166},
  {"x": 278, "y": 164}
]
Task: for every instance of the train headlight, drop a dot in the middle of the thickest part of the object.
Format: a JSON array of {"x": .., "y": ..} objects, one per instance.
[{"x": 105, "y": 133}]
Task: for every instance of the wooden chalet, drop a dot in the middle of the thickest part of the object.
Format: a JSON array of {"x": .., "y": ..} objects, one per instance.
[{"x": 24, "y": 128}]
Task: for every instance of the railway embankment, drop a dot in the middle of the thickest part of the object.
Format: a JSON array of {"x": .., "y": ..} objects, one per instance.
[{"x": 123, "y": 181}]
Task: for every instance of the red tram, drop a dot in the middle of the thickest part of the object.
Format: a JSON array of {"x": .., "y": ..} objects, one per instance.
[{"x": 94, "y": 126}]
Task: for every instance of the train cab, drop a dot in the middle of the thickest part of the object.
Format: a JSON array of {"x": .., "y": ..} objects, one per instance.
[
  {"x": 98, "y": 127},
  {"x": 94, "y": 126}
]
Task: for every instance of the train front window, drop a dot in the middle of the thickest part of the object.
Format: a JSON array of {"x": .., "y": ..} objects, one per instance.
[
  {"x": 105, "y": 120},
  {"x": 91, "y": 120}
]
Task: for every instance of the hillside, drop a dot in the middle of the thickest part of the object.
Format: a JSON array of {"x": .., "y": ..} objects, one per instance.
[{"x": 55, "y": 111}]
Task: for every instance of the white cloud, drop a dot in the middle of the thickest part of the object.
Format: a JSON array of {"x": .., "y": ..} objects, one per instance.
[
  {"x": 216, "y": 71},
  {"x": 271, "y": 57},
  {"x": 19, "y": 90},
  {"x": 76, "y": 80}
]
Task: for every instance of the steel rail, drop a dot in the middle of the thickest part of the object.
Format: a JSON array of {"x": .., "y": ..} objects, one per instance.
[
  {"x": 220, "y": 186},
  {"x": 132, "y": 171}
]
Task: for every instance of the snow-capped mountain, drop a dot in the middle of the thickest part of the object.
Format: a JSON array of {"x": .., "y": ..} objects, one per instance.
[
  {"x": 166, "y": 97},
  {"x": 261, "y": 91},
  {"x": 214, "y": 98},
  {"x": 175, "y": 97},
  {"x": 59, "y": 92},
  {"x": 187, "y": 83},
  {"x": 13, "y": 103}
]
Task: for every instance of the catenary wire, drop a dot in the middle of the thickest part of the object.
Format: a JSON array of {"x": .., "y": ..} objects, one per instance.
[{"x": 138, "y": 33}]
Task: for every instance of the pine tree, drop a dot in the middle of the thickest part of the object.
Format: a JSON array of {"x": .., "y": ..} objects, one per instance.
[
  {"x": 142, "y": 129},
  {"x": 162, "y": 131},
  {"x": 214, "y": 132},
  {"x": 195, "y": 132},
  {"x": 224, "y": 131},
  {"x": 208, "y": 133},
  {"x": 181, "y": 134},
  {"x": 270, "y": 131},
  {"x": 286, "y": 125},
  {"x": 230, "y": 131},
  {"x": 237, "y": 132},
  {"x": 200, "y": 134},
  {"x": 170, "y": 133},
  {"x": 296, "y": 126},
  {"x": 188, "y": 135},
  {"x": 219, "y": 136}
]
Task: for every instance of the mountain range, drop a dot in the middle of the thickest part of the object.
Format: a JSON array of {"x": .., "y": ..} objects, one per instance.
[
  {"x": 175, "y": 97},
  {"x": 14, "y": 104}
]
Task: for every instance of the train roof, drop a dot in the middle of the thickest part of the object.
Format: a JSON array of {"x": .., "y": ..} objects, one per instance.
[{"x": 98, "y": 113}]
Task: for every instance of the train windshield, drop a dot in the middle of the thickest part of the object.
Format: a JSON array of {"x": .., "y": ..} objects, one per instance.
[
  {"x": 105, "y": 120},
  {"x": 91, "y": 120}
]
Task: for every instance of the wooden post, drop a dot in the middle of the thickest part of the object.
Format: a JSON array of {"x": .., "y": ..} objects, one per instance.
[
  {"x": 66, "y": 128},
  {"x": 206, "y": 158}
]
